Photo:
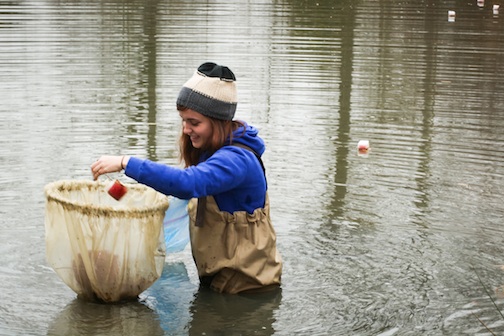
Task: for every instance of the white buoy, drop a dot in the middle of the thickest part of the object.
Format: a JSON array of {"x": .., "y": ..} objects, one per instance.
[
  {"x": 496, "y": 9},
  {"x": 363, "y": 145},
  {"x": 451, "y": 16},
  {"x": 481, "y": 3}
]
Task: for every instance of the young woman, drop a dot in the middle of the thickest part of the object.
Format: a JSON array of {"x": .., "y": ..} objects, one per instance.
[{"x": 232, "y": 239}]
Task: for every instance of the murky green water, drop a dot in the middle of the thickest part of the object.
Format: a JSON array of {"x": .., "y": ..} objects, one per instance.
[{"x": 406, "y": 240}]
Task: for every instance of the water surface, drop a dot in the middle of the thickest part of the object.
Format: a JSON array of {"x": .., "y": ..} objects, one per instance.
[{"x": 405, "y": 240}]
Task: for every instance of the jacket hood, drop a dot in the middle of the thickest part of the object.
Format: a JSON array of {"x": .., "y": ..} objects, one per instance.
[{"x": 249, "y": 138}]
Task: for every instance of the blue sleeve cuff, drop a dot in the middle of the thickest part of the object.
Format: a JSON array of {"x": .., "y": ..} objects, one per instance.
[{"x": 133, "y": 168}]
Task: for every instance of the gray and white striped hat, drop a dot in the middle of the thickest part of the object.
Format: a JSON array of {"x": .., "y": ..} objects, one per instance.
[{"x": 211, "y": 91}]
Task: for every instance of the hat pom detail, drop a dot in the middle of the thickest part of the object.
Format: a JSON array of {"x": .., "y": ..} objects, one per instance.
[{"x": 210, "y": 69}]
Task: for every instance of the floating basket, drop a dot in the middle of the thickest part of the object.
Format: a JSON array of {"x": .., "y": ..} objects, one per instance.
[{"x": 104, "y": 249}]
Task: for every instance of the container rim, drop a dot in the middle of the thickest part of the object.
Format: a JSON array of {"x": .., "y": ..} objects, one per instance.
[{"x": 53, "y": 193}]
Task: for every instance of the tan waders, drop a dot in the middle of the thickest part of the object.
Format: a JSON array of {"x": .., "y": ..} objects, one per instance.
[{"x": 234, "y": 252}]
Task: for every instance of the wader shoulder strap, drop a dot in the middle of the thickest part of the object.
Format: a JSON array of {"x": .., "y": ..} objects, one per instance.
[
  {"x": 200, "y": 213},
  {"x": 253, "y": 151}
]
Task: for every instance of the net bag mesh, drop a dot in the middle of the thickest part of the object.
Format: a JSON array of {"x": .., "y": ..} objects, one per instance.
[{"x": 104, "y": 249}]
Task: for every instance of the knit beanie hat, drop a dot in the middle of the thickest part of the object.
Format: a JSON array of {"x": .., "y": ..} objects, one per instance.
[{"x": 211, "y": 91}]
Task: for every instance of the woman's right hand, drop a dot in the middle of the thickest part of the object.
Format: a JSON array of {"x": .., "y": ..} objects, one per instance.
[{"x": 108, "y": 164}]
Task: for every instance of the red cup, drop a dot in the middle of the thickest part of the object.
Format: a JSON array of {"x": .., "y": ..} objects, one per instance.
[{"x": 117, "y": 190}]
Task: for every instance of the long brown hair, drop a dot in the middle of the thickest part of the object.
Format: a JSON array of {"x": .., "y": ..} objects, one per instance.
[{"x": 221, "y": 131}]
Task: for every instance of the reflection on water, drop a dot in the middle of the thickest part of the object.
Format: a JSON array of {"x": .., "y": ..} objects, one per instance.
[
  {"x": 172, "y": 306},
  {"x": 402, "y": 241},
  {"x": 161, "y": 310},
  {"x": 246, "y": 314},
  {"x": 182, "y": 307},
  {"x": 84, "y": 318},
  {"x": 170, "y": 298}
]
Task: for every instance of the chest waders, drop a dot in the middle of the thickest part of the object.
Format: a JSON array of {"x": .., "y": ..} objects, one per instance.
[{"x": 234, "y": 252}]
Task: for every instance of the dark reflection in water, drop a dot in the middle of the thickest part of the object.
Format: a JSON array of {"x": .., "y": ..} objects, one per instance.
[
  {"x": 342, "y": 138},
  {"x": 183, "y": 308},
  {"x": 216, "y": 314},
  {"x": 170, "y": 298},
  {"x": 162, "y": 309},
  {"x": 172, "y": 306},
  {"x": 84, "y": 318},
  {"x": 150, "y": 72}
]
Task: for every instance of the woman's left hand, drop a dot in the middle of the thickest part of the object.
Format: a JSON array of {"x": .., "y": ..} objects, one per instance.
[{"x": 107, "y": 164}]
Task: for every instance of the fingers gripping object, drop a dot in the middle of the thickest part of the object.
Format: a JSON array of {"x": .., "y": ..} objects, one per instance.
[{"x": 115, "y": 189}]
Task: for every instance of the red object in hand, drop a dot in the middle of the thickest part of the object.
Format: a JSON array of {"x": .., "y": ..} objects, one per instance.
[{"x": 117, "y": 190}]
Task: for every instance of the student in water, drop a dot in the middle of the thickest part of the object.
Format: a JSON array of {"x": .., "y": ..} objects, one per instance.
[{"x": 232, "y": 239}]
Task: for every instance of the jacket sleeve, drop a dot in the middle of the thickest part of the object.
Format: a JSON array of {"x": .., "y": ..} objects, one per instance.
[{"x": 223, "y": 171}]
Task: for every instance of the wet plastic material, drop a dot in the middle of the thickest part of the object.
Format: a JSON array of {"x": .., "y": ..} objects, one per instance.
[
  {"x": 176, "y": 225},
  {"x": 104, "y": 249}
]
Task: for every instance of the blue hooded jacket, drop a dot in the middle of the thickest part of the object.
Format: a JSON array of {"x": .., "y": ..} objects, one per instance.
[{"x": 233, "y": 175}]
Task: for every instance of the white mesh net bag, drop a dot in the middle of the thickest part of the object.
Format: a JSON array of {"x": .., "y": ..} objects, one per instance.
[{"x": 104, "y": 249}]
